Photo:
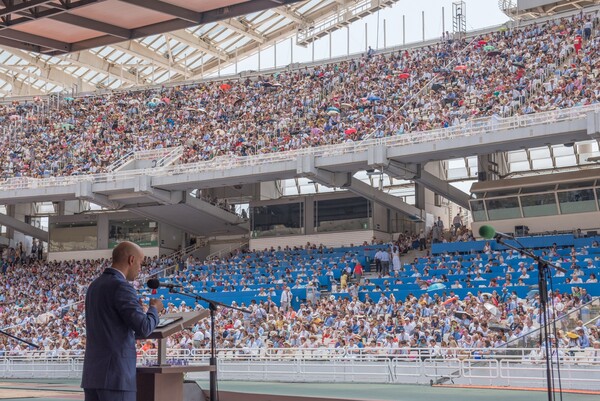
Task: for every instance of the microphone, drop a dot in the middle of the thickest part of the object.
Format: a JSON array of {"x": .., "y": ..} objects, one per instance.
[
  {"x": 153, "y": 284},
  {"x": 489, "y": 232}
]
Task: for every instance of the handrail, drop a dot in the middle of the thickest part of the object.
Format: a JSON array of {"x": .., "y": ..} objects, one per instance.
[
  {"x": 119, "y": 162},
  {"x": 487, "y": 125},
  {"x": 523, "y": 354}
]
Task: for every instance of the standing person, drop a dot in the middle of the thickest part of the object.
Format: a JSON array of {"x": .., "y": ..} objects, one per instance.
[
  {"x": 457, "y": 223},
  {"x": 397, "y": 266},
  {"x": 358, "y": 271},
  {"x": 378, "y": 261},
  {"x": 286, "y": 299},
  {"x": 385, "y": 263},
  {"x": 114, "y": 318}
]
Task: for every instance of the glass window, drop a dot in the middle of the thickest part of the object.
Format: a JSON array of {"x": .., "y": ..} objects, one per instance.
[
  {"x": 80, "y": 236},
  {"x": 505, "y": 208},
  {"x": 276, "y": 220},
  {"x": 345, "y": 214},
  {"x": 539, "y": 205},
  {"x": 142, "y": 232},
  {"x": 578, "y": 201},
  {"x": 478, "y": 210}
]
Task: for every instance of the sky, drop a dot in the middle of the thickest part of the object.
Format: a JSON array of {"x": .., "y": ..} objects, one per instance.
[{"x": 479, "y": 14}]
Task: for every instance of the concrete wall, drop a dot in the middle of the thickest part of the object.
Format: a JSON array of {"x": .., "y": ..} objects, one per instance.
[
  {"x": 328, "y": 239},
  {"x": 170, "y": 239},
  {"x": 95, "y": 254}
]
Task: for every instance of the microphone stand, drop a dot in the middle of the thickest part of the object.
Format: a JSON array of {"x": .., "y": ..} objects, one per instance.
[
  {"x": 212, "y": 306},
  {"x": 19, "y": 339},
  {"x": 544, "y": 276}
]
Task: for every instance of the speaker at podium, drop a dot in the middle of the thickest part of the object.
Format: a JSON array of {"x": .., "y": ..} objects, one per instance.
[{"x": 164, "y": 382}]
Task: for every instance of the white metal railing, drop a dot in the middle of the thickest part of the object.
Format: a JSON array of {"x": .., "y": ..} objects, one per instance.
[
  {"x": 579, "y": 368},
  {"x": 120, "y": 162},
  {"x": 488, "y": 125}
]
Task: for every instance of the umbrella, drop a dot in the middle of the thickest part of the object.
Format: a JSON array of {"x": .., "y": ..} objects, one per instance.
[
  {"x": 520, "y": 65},
  {"x": 492, "y": 309},
  {"x": 572, "y": 335},
  {"x": 332, "y": 111},
  {"x": 373, "y": 98},
  {"x": 460, "y": 68},
  {"x": 266, "y": 84},
  {"x": 379, "y": 116},
  {"x": 350, "y": 131},
  {"x": 69, "y": 99},
  {"x": 225, "y": 87},
  {"x": 488, "y": 48},
  {"x": 436, "y": 87},
  {"x": 482, "y": 42},
  {"x": 346, "y": 106},
  {"x": 436, "y": 286},
  {"x": 463, "y": 315},
  {"x": 531, "y": 294},
  {"x": 449, "y": 300},
  {"x": 151, "y": 104},
  {"x": 493, "y": 53},
  {"x": 498, "y": 327},
  {"x": 489, "y": 294},
  {"x": 404, "y": 75}
]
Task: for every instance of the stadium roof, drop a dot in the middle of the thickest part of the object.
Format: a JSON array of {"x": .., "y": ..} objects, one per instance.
[{"x": 51, "y": 45}]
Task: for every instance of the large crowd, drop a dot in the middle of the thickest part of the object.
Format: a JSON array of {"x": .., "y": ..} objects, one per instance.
[
  {"x": 538, "y": 67},
  {"x": 42, "y": 302}
]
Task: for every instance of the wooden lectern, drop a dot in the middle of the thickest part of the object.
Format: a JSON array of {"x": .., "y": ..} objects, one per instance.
[{"x": 164, "y": 382}]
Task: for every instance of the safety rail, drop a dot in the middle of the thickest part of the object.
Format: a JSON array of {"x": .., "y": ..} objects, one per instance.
[
  {"x": 114, "y": 166},
  {"x": 579, "y": 368},
  {"x": 488, "y": 125}
]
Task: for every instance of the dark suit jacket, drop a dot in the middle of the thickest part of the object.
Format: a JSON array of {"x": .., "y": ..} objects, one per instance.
[{"x": 114, "y": 318}]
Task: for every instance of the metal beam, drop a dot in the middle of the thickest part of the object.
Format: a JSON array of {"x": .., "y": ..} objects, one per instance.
[
  {"x": 25, "y": 5},
  {"x": 99, "y": 26},
  {"x": 35, "y": 39},
  {"x": 236, "y": 26},
  {"x": 50, "y": 73},
  {"x": 147, "y": 54},
  {"x": 198, "y": 43},
  {"x": 167, "y": 8},
  {"x": 89, "y": 60}
]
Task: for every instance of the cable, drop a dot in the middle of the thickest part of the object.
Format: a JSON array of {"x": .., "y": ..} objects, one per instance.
[{"x": 560, "y": 392}]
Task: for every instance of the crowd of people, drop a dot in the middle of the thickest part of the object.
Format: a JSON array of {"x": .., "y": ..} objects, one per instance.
[
  {"x": 42, "y": 302},
  {"x": 538, "y": 67}
]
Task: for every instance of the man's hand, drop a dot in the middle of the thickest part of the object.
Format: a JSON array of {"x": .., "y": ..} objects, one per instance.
[
  {"x": 158, "y": 304},
  {"x": 143, "y": 305}
]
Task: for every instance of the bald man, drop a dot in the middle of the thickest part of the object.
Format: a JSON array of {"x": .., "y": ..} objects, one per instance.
[{"x": 114, "y": 319}]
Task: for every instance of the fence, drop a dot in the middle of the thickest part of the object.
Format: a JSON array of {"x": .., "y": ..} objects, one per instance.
[{"x": 580, "y": 369}]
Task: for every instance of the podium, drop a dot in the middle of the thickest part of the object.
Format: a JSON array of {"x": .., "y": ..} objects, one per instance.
[{"x": 164, "y": 382}]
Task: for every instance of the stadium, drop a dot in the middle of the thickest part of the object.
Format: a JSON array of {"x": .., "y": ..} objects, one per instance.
[{"x": 344, "y": 199}]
